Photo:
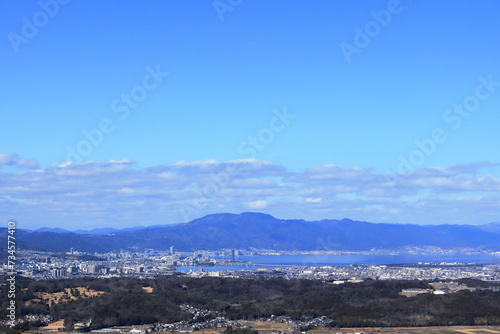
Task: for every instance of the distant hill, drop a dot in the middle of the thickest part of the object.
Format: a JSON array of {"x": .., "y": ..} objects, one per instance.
[
  {"x": 105, "y": 230},
  {"x": 492, "y": 227},
  {"x": 108, "y": 230},
  {"x": 51, "y": 229},
  {"x": 223, "y": 230}
]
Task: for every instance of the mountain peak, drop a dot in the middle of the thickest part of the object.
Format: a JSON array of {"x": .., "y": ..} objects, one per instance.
[
  {"x": 263, "y": 231},
  {"x": 257, "y": 215}
]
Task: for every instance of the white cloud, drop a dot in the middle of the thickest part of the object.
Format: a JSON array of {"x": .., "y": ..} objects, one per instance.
[
  {"x": 14, "y": 160},
  {"x": 260, "y": 204},
  {"x": 8, "y": 159},
  {"x": 108, "y": 192},
  {"x": 27, "y": 164}
]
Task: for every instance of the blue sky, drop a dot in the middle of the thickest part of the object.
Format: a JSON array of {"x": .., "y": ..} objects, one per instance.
[{"x": 403, "y": 129}]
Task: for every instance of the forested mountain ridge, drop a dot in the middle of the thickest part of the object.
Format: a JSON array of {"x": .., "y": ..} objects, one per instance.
[{"x": 258, "y": 230}]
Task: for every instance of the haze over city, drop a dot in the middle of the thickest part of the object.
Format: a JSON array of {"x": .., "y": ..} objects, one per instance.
[{"x": 127, "y": 114}]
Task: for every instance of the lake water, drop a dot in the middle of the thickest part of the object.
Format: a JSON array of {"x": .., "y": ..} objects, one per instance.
[{"x": 267, "y": 261}]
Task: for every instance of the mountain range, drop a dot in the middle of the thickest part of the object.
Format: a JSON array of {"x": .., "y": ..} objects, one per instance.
[{"x": 263, "y": 231}]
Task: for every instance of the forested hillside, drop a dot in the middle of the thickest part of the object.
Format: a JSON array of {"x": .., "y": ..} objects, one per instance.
[{"x": 127, "y": 301}]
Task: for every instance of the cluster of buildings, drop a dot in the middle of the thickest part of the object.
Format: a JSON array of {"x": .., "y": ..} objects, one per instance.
[
  {"x": 357, "y": 273},
  {"x": 298, "y": 325},
  {"x": 221, "y": 321},
  {"x": 151, "y": 263},
  {"x": 45, "y": 265},
  {"x": 42, "y": 319}
]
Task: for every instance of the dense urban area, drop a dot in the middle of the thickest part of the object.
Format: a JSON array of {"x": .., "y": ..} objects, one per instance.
[{"x": 151, "y": 263}]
